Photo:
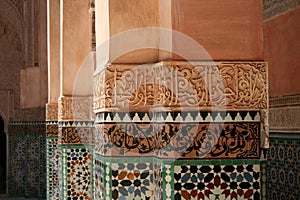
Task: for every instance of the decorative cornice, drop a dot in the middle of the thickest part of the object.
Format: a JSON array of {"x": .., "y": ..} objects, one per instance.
[
  {"x": 178, "y": 117},
  {"x": 27, "y": 123},
  {"x": 285, "y": 114},
  {"x": 285, "y": 119},
  {"x": 75, "y": 108},
  {"x": 285, "y": 101},
  {"x": 52, "y": 112},
  {"x": 27, "y": 128},
  {"x": 182, "y": 85},
  {"x": 77, "y": 124}
]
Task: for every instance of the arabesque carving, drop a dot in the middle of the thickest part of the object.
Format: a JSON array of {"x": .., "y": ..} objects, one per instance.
[
  {"x": 177, "y": 85},
  {"x": 52, "y": 112},
  {"x": 75, "y": 135},
  {"x": 75, "y": 108},
  {"x": 205, "y": 140}
]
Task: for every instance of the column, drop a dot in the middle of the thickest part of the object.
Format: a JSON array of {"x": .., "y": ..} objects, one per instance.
[
  {"x": 75, "y": 117},
  {"x": 172, "y": 123},
  {"x": 53, "y": 44}
]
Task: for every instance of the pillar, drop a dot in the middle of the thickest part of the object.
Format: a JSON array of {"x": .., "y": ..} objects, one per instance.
[
  {"x": 172, "y": 123},
  {"x": 75, "y": 117},
  {"x": 53, "y": 41}
]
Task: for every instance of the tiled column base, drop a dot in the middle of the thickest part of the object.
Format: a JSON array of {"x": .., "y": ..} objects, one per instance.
[
  {"x": 152, "y": 178},
  {"x": 127, "y": 178},
  {"x": 52, "y": 160},
  {"x": 219, "y": 155},
  {"x": 76, "y": 170}
]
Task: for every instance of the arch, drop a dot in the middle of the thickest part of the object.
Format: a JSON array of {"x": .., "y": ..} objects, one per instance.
[{"x": 3, "y": 158}]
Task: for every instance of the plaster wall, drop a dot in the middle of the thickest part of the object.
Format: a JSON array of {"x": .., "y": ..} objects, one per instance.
[{"x": 282, "y": 47}]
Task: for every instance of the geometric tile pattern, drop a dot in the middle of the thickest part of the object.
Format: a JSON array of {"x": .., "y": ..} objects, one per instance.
[
  {"x": 168, "y": 184},
  {"x": 132, "y": 181},
  {"x": 17, "y": 164},
  {"x": 27, "y": 159},
  {"x": 36, "y": 165},
  {"x": 75, "y": 167},
  {"x": 217, "y": 182},
  {"x": 60, "y": 177},
  {"x": 128, "y": 178},
  {"x": 99, "y": 177},
  {"x": 263, "y": 179},
  {"x": 52, "y": 168},
  {"x": 284, "y": 167},
  {"x": 157, "y": 182},
  {"x": 78, "y": 173}
]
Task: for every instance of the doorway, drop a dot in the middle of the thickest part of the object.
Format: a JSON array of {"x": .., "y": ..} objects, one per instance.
[{"x": 2, "y": 158}]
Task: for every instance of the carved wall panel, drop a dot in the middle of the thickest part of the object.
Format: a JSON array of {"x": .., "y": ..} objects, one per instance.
[
  {"x": 182, "y": 85},
  {"x": 75, "y": 108},
  {"x": 52, "y": 129},
  {"x": 51, "y": 112},
  {"x": 285, "y": 114},
  {"x": 219, "y": 138},
  {"x": 75, "y": 133}
]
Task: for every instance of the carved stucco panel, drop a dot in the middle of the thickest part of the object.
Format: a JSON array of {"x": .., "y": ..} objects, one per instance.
[
  {"x": 75, "y": 108},
  {"x": 178, "y": 85}
]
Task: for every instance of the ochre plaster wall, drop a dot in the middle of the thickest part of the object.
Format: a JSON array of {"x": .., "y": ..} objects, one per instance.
[
  {"x": 227, "y": 30},
  {"x": 281, "y": 51}
]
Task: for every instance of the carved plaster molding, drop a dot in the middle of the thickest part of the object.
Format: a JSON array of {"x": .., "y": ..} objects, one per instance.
[
  {"x": 202, "y": 141},
  {"x": 285, "y": 114},
  {"x": 75, "y": 135},
  {"x": 178, "y": 117},
  {"x": 285, "y": 101},
  {"x": 52, "y": 130},
  {"x": 75, "y": 109},
  {"x": 182, "y": 85},
  {"x": 52, "y": 112},
  {"x": 285, "y": 119},
  {"x": 37, "y": 127}
]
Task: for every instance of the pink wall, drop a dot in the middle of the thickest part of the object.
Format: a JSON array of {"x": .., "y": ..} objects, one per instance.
[
  {"x": 228, "y": 30},
  {"x": 282, "y": 51}
]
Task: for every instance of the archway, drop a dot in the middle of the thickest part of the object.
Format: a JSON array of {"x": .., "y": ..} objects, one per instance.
[{"x": 3, "y": 150}]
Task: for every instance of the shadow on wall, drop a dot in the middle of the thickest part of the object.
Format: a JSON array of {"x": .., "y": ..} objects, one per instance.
[{"x": 2, "y": 158}]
